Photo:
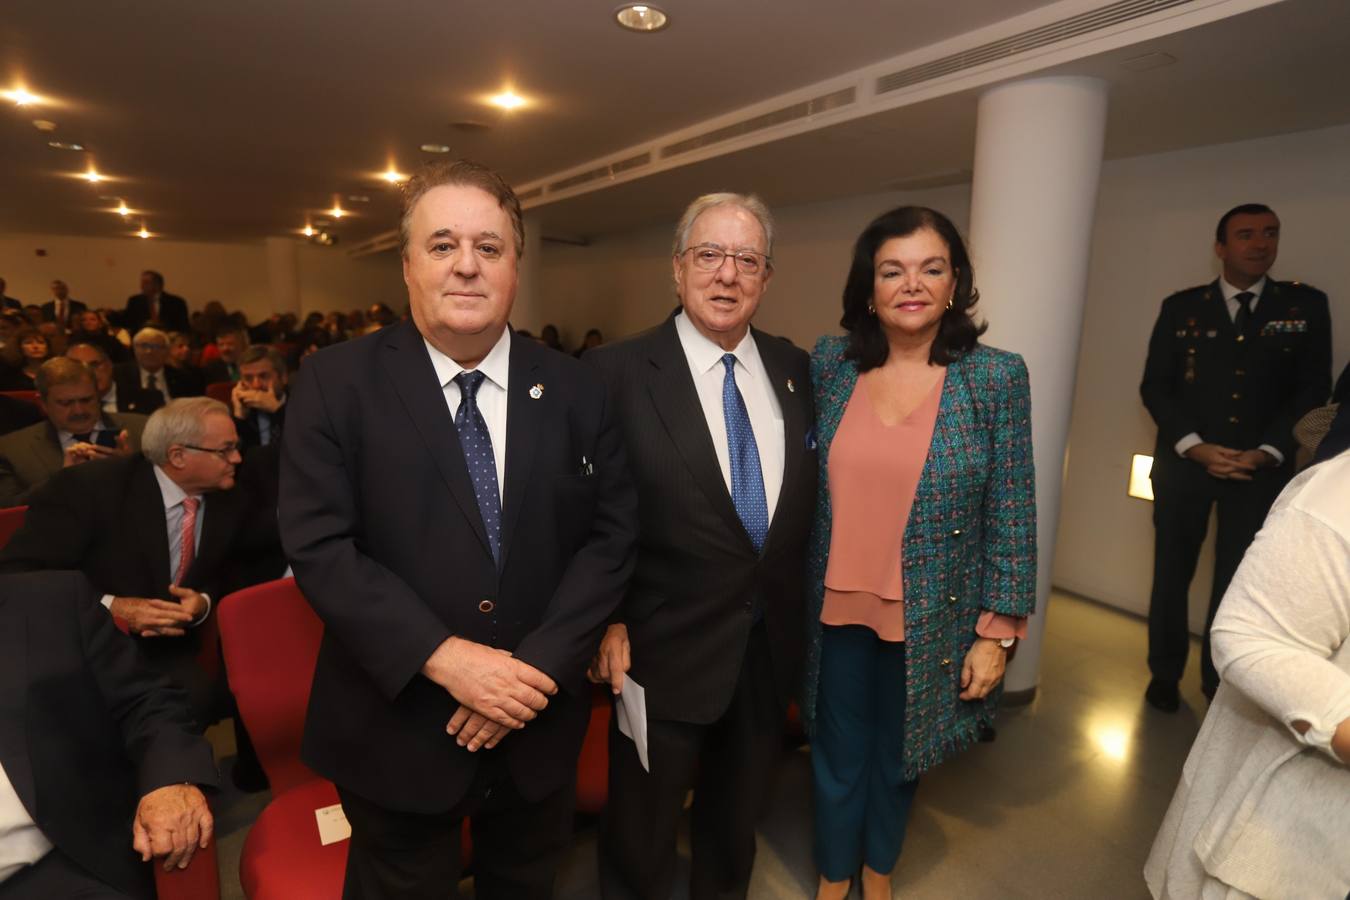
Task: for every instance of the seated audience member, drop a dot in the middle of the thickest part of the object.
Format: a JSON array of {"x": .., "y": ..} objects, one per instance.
[
  {"x": 76, "y": 431},
  {"x": 548, "y": 335},
  {"x": 6, "y": 301},
  {"x": 11, "y": 323},
  {"x": 149, "y": 371},
  {"x": 592, "y": 340},
  {"x": 152, "y": 306},
  {"x": 230, "y": 343},
  {"x": 130, "y": 400},
  {"x": 90, "y": 329},
  {"x": 61, "y": 308},
  {"x": 99, "y": 767},
  {"x": 259, "y": 398},
  {"x": 33, "y": 351},
  {"x": 379, "y": 316},
  {"x": 32, "y": 314},
  {"x": 180, "y": 351},
  {"x": 161, "y": 534}
]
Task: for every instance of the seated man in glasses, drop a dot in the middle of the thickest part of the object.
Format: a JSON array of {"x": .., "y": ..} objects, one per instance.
[{"x": 160, "y": 534}]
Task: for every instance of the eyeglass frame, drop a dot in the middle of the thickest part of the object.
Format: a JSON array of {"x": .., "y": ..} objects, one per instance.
[
  {"x": 736, "y": 255},
  {"x": 222, "y": 452}
]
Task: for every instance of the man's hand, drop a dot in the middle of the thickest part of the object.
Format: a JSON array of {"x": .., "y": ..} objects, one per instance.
[
  {"x": 245, "y": 399},
  {"x": 1257, "y": 459},
  {"x": 237, "y": 399},
  {"x": 123, "y": 443},
  {"x": 490, "y": 681},
  {"x": 983, "y": 668},
  {"x": 172, "y": 822},
  {"x": 152, "y": 618},
  {"x": 83, "y": 451},
  {"x": 190, "y": 600},
  {"x": 613, "y": 659},
  {"x": 1223, "y": 462},
  {"x": 473, "y": 730}
]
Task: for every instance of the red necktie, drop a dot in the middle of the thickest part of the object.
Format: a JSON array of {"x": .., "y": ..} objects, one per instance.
[{"x": 188, "y": 549}]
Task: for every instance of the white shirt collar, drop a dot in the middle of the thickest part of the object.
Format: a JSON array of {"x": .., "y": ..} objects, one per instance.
[
  {"x": 169, "y": 489},
  {"x": 1229, "y": 292},
  {"x": 495, "y": 366},
  {"x": 703, "y": 354}
]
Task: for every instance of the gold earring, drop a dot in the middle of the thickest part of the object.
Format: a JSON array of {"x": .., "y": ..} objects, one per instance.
[
  {"x": 950, "y": 301},
  {"x": 871, "y": 309}
]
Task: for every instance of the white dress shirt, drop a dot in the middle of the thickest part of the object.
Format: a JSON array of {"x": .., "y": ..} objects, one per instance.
[
  {"x": 766, "y": 416},
  {"x": 68, "y": 438},
  {"x": 1230, "y": 299},
  {"x": 491, "y": 398},
  {"x": 22, "y": 843},
  {"x": 110, "y": 398}
]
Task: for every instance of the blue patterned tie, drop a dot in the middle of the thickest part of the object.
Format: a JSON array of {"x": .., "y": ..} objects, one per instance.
[
  {"x": 477, "y": 445},
  {"x": 747, "y": 479}
]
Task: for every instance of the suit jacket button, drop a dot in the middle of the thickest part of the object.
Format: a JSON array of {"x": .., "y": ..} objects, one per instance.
[
  {"x": 486, "y": 606},
  {"x": 946, "y": 662},
  {"x": 1234, "y": 419},
  {"x": 1239, "y": 371},
  {"x": 1237, "y": 396},
  {"x": 957, "y": 532},
  {"x": 951, "y": 598}
]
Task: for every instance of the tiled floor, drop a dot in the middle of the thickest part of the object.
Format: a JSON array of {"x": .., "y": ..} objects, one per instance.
[{"x": 1063, "y": 805}]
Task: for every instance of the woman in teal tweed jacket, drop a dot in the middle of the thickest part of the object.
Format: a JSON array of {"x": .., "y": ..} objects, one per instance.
[{"x": 969, "y": 545}]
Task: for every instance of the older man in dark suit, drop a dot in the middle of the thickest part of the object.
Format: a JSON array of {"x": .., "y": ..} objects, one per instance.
[
  {"x": 61, "y": 307},
  {"x": 455, "y": 505},
  {"x": 716, "y": 418},
  {"x": 76, "y": 431},
  {"x": 149, "y": 373},
  {"x": 99, "y": 765}
]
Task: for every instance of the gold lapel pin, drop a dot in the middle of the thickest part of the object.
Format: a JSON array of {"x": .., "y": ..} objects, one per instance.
[
  {"x": 792, "y": 388},
  {"x": 536, "y": 392}
]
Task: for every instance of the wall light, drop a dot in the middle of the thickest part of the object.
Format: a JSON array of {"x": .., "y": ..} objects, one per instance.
[{"x": 1141, "y": 484}]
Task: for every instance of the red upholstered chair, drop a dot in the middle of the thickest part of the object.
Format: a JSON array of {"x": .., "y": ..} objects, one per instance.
[
  {"x": 220, "y": 390},
  {"x": 593, "y": 765},
  {"x": 199, "y": 881},
  {"x": 11, "y": 520},
  {"x": 26, "y": 396}
]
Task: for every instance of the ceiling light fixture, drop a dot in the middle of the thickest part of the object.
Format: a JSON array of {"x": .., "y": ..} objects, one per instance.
[
  {"x": 308, "y": 231},
  {"x": 92, "y": 176},
  {"x": 122, "y": 209},
  {"x": 337, "y": 211},
  {"x": 64, "y": 145},
  {"x": 507, "y": 100},
  {"x": 44, "y": 125},
  {"x": 641, "y": 17},
  {"x": 393, "y": 176},
  {"x": 435, "y": 148},
  {"x": 143, "y": 233},
  {"x": 21, "y": 97}
]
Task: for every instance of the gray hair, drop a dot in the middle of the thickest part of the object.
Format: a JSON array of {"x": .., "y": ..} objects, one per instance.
[
  {"x": 177, "y": 422},
  {"x": 61, "y": 370},
  {"x": 149, "y": 334},
  {"x": 748, "y": 202}
]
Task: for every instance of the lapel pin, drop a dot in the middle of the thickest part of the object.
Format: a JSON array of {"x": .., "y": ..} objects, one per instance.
[
  {"x": 792, "y": 388},
  {"x": 536, "y": 392}
]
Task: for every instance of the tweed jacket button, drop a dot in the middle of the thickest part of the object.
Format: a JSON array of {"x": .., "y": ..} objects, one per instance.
[
  {"x": 957, "y": 532},
  {"x": 486, "y": 606},
  {"x": 1234, "y": 420},
  {"x": 951, "y": 598},
  {"x": 946, "y": 662}
]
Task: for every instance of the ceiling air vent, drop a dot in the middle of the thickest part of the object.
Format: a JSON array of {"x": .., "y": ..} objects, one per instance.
[
  {"x": 1074, "y": 26},
  {"x": 815, "y": 106},
  {"x": 602, "y": 172}
]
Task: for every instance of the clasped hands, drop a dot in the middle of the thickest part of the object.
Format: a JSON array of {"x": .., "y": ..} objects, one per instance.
[
  {"x": 1228, "y": 464},
  {"x": 83, "y": 451},
  {"x": 243, "y": 399},
  {"x": 172, "y": 822},
  {"x": 497, "y": 693},
  {"x": 160, "y": 618}
]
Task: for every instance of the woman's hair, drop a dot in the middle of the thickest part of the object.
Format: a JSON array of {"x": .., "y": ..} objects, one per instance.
[
  {"x": 958, "y": 332},
  {"x": 28, "y": 334}
]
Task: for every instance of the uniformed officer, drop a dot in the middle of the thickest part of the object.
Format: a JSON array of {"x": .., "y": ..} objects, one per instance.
[{"x": 1231, "y": 367}]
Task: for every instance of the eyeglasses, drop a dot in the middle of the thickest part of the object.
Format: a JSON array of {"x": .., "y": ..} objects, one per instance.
[
  {"x": 709, "y": 258},
  {"x": 224, "y": 452}
]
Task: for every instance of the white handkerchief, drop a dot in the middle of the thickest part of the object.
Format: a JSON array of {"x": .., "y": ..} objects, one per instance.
[
  {"x": 333, "y": 824},
  {"x": 631, "y": 708}
]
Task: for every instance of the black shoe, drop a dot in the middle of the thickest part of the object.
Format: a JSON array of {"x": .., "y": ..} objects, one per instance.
[{"x": 1163, "y": 696}]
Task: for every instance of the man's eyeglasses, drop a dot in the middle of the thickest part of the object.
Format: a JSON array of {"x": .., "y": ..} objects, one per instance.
[
  {"x": 224, "y": 452},
  {"x": 709, "y": 259}
]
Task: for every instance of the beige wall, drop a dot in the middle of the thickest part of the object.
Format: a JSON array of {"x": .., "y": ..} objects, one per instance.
[
  {"x": 1153, "y": 235},
  {"x": 105, "y": 271}
]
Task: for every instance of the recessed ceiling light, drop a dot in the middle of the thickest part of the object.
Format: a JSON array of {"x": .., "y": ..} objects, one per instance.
[
  {"x": 337, "y": 212},
  {"x": 143, "y": 233},
  {"x": 122, "y": 209},
  {"x": 92, "y": 177},
  {"x": 21, "y": 97},
  {"x": 44, "y": 125},
  {"x": 435, "y": 148},
  {"x": 358, "y": 198},
  {"x": 393, "y": 177},
  {"x": 641, "y": 17},
  {"x": 507, "y": 100},
  {"x": 308, "y": 231},
  {"x": 64, "y": 145}
]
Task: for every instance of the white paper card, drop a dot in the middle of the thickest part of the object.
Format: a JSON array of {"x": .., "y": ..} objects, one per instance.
[
  {"x": 631, "y": 708},
  {"x": 333, "y": 824}
]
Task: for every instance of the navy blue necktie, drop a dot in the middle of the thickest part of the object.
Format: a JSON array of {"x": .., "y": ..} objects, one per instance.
[
  {"x": 747, "y": 479},
  {"x": 477, "y": 445}
]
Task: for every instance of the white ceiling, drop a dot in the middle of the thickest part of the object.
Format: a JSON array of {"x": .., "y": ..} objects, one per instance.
[{"x": 236, "y": 121}]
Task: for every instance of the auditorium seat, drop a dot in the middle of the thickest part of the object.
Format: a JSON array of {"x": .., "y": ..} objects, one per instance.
[
  {"x": 199, "y": 881},
  {"x": 11, "y": 520},
  {"x": 220, "y": 390},
  {"x": 593, "y": 765},
  {"x": 27, "y": 397}
]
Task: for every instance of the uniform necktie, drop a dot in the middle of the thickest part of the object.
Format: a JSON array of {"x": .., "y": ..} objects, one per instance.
[
  {"x": 477, "y": 445},
  {"x": 747, "y": 479},
  {"x": 1244, "y": 313},
  {"x": 187, "y": 549}
]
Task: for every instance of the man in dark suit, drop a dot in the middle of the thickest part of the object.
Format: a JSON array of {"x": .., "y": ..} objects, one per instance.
[
  {"x": 8, "y": 302},
  {"x": 97, "y": 754},
  {"x": 231, "y": 343},
  {"x": 75, "y": 432},
  {"x": 455, "y": 505},
  {"x": 154, "y": 307},
  {"x": 259, "y": 399},
  {"x": 1231, "y": 367},
  {"x": 61, "y": 307},
  {"x": 150, "y": 373},
  {"x": 130, "y": 399},
  {"x": 716, "y": 419},
  {"x": 160, "y": 535}
]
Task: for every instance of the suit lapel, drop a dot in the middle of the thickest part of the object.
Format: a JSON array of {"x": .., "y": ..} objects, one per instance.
[
  {"x": 525, "y": 417},
  {"x": 14, "y": 703},
  {"x": 405, "y": 359},
  {"x": 47, "y": 449},
  {"x": 794, "y": 424},
  {"x": 677, "y": 404},
  {"x": 151, "y": 531},
  {"x": 221, "y": 511}
]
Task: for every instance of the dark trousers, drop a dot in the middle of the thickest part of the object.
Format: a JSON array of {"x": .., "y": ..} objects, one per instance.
[
  {"x": 1180, "y": 520},
  {"x": 728, "y": 763},
  {"x": 857, "y": 758},
  {"x": 517, "y": 845},
  {"x": 55, "y": 875}
]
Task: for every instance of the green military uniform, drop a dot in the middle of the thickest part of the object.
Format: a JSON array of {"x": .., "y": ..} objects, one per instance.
[{"x": 1242, "y": 390}]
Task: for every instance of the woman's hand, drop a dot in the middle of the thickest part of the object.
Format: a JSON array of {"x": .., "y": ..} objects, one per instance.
[{"x": 983, "y": 668}]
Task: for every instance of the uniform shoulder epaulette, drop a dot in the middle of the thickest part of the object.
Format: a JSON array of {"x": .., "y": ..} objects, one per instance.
[
  {"x": 1299, "y": 286},
  {"x": 1198, "y": 289}
]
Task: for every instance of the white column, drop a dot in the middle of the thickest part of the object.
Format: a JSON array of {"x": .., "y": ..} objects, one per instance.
[
  {"x": 528, "y": 312},
  {"x": 283, "y": 274},
  {"x": 1038, "y": 157}
]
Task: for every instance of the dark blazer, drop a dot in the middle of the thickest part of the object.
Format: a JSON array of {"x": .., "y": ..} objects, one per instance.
[
  {"x": 12, "y": 303},
  {"x": 173, "y": 314},
  {"x": 86, "y": 727},
  {"x": 1200, "y": 378},
  {"x": 380, "y": 523},
  {"x": 250, "y": 433},
  {"x": 106, "y": 518},
  {"x": 73, "y": 307},
  {"x": 181, "y": 382},
  {"x": 31, "y": 456},
  {"x": 699, "y": 580},
  {"x": 16, "y": 414}
]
